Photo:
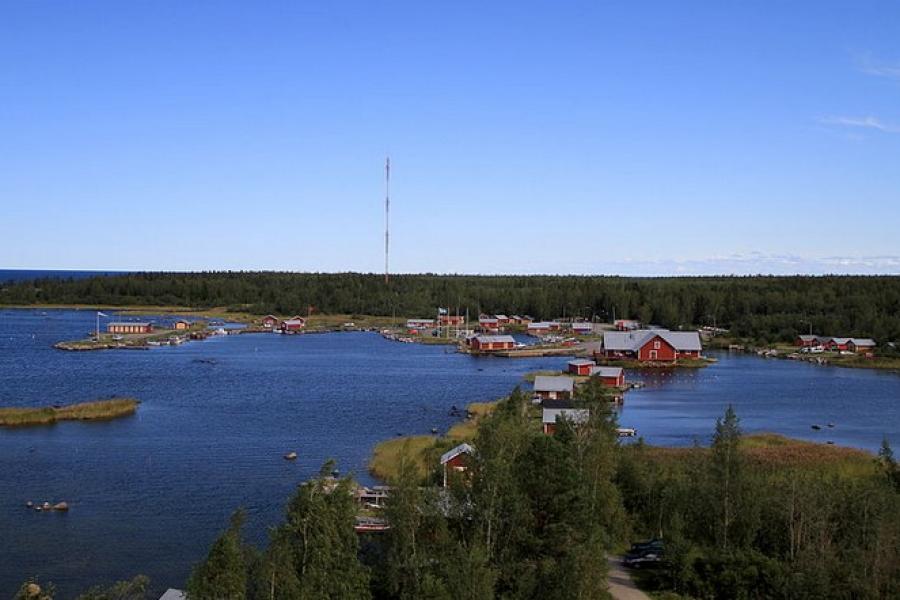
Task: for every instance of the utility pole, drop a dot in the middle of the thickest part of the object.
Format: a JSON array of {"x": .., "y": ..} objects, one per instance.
[{"x": 387, "y": 214}]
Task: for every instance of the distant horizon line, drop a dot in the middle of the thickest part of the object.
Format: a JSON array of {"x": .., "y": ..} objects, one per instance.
[{"x": 445, "y": 274}]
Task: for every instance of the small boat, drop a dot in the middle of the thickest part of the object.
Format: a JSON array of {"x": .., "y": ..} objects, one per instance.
[
  {"x": 626, "y": 431},
  {"x": 831, "y": 425},
  {"x": 816, "y": 427},
  {"x": 290, "y": 456}
]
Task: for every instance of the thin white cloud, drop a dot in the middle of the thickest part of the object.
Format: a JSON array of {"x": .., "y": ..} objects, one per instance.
[
  {"x": 869, "y": 67},
  {"x": 861, "y": 122}
]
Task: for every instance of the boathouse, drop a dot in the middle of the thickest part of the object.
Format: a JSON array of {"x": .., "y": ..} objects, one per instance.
[
  {"x": 293, "y": 325},
  {"x": 129, "y": 328},
  {"x": 456, "y": 460},
  {"x": 580, "y": 366},
  {"x": 271, "y": 322},
  {"x": 609, "y": 376},
  {"x": 553, "y": 411},
  {"x": 553, "y": 387},
  {"x": 182, "y": 325},
  {"x": 651, "y": 345},
  {"x": 492, "y": 343}
]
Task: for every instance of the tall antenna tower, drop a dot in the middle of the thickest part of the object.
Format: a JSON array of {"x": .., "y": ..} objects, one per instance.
[{"x": 387, "y": 214}]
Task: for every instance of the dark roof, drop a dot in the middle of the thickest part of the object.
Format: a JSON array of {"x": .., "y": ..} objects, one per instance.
[{"x": 557, "y": 404}]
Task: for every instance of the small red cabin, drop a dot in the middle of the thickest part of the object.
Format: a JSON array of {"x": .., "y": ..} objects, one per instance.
[
  {"x": 610, "y": 376},
  {"x": 581, "y": 366},
  {"x": 456, "y": 461},
  {"x": 292, "y": 325},
  {"x": 271, "y": 322}
]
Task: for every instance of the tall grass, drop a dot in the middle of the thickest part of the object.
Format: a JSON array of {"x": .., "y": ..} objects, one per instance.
[{"x": 97, "y": 410}]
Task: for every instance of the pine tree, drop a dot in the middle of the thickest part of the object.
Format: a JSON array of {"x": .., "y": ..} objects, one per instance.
[{"x": 223, "y": 575}]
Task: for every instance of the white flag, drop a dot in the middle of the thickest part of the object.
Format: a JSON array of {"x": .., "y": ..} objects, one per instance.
[
  {"x": 442, "y": 311},
  {"x": 100, "y": 314}
]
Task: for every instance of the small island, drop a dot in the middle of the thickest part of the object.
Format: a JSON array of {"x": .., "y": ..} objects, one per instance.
[{"x": 98, "y": 410}]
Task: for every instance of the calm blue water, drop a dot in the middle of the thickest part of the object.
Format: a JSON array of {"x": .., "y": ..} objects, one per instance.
[
  {"x": 150, "y": 492},
  {"x": 7, "y": 275}
]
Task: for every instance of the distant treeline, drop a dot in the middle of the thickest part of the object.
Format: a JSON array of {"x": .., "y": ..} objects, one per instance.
[{"x": 761, "y": 307}]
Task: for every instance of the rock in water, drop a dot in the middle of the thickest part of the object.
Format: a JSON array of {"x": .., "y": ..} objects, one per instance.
[
  {"x": 63, "y": 506},
  {"x": 290, "y": 456}
]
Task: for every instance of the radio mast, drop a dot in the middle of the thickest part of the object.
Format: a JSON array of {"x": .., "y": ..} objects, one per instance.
[{"x": 387, "y": 214}]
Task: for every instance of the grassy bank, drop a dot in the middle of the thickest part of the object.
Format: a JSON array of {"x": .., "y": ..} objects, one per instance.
[
  {"x": 425, "y": 450},
  {"x": 773, "y": 451},
  {"x": 98, "y": 410}
]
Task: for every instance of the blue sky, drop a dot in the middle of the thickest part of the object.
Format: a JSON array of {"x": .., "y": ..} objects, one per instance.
[{"x": 525, "y": 137}]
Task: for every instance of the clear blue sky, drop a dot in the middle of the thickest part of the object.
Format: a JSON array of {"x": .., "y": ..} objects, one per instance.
[{"x": 578, "y": 137}]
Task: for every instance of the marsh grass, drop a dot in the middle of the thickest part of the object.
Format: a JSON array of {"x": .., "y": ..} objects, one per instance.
[{"x": 98, "y": 410}]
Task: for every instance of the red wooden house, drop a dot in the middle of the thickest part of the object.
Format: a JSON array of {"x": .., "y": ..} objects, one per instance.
[
  {"x": 837, "y": 344},
  {"x": 861, "y": 345},
  {"x": 610, "y": 376},
  {"x": 492, "y": 343},
  {"x": 456, "y": 461},
  {"x": 271, "y": 322},
  {"x": 293, "y": 325},
  {"x": 580, "y": 366},
  {"x": 488, "y": 324},
  {"x": 651, "y": 345}
]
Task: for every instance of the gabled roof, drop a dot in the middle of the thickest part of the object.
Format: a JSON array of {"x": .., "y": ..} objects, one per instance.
[
  {"x": 539, "y": 325},
  {"x": 631, "y": 341},
  {"x": 495, "y": 339},
  {"x": 808, "y": 338},
  {"x": 576, "y": 415},
  {"x": 501, "y": 317},
  {"x": 580, "y": 362},
  {"x": 839, "y": 340},
  {"x": 606, "y": 371},
  {"x": 553, "y": 383},
  {"x": 131, "y": 323},
  {"x": 486, "y": 319},
  {"x": 173, "y": 594},
  {"x": 454, "y": 452},
  {"x": 294, "y": 322},
  {"x": 862, "y": 341}
]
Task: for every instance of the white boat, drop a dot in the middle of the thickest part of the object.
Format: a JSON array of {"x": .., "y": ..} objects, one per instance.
[{"x": 626, "y": 431}]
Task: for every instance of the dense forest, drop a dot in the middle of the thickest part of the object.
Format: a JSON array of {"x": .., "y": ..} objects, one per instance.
[
  {"x": 761, "y": 307},
  {"x": 535, "y": 516}
]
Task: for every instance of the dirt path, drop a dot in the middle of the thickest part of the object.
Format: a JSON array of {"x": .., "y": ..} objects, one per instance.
[{"x": 621, "y": 586}]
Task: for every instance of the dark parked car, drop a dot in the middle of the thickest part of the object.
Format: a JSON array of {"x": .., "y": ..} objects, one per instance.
[
  {"x": 654, "y": 544},
  {"x": 645, "y": 559}
]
